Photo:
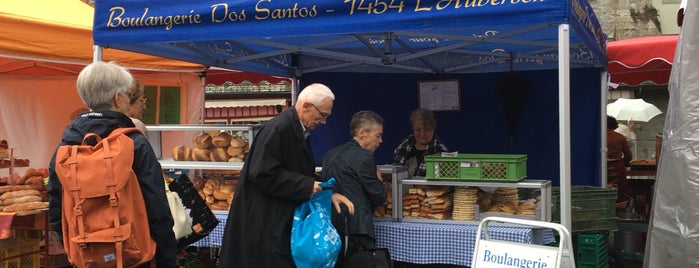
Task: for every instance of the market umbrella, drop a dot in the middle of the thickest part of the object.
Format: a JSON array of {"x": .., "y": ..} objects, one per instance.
[{"x": 632, "y": 109}]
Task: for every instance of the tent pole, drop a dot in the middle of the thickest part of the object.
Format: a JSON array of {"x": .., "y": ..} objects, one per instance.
[
  {"x": 96, "y": 53},
  {"x": 603, "y": 128},
  {"x": 564, "y": 121}
]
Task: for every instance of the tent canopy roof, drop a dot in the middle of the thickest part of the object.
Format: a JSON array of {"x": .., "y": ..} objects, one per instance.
[
  {"x": 292, "y": 38},
  {"x": 637, "y": 60},
  {"x": 49, "y": 37}
]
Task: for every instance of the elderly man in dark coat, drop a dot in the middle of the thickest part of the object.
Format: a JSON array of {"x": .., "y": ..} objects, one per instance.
[{"x": 278, "y": 175}]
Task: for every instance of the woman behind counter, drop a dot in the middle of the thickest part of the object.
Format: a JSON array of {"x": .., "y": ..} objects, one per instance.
[{"x": 412, "y": 150}]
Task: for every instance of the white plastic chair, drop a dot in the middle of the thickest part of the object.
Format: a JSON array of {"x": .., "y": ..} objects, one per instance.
[{"x": 497, "y": 253}]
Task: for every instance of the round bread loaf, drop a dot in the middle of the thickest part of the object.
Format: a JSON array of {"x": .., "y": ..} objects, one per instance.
[
  {"x": 235, "y": 151},
  {"x": 181, "y": 153},
  {"x": 238, "y": 143},
  {"x": 199, "y": 154},
  {"x": 235, "y": 159},
  {"x": 222, "y": 139},
  {"x": 219, "y": 155},
  {"x": 202, "y": 140}
]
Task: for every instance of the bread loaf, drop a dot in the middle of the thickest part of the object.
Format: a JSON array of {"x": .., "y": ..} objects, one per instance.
[
  {"x": 10, "y": 188},
  {"x": 20, "y": 193},
  {"x": 19, "y": 200},
  {"x": 219, "y": 154},
  {"x": 181, "y": 153},
  {"x": 219, "y": 205},
  {"x": 238, "y": 143},
  {"x": 199, "y": 154},
  {"x": 235, "y": 151},
  {"x": 202, "y": 140},
  {"x": 37, "y": 181},
  {"x": 235, "y": 159},
  {"x": 26, "y": 206},
  {"x": 222, "y": 139}
]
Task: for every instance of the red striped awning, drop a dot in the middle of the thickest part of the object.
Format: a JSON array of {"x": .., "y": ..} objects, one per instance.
[{"x": 641, "y": 60}]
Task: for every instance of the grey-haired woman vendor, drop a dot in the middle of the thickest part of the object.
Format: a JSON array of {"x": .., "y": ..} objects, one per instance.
[{"x": 412, "y": 150}]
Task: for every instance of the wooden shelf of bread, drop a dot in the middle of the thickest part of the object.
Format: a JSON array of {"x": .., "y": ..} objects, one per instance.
[
  {"x": 24, "y": 192},
  {"x": 221, "y": 147},
  {"x": 7, "y": 158}
]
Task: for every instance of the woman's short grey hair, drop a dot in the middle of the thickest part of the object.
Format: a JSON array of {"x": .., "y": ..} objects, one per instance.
[
  {"x": 315, "y": 93},
  {"x": 366, "y": 120},
  {"x": 99, "y": 81},
  {"x": 426, "y": 116}
]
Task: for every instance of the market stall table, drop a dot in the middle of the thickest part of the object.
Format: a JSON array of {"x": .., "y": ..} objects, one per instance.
[
  {"x": 421, "y": 242},
  {"x": 447, "y": 243}
]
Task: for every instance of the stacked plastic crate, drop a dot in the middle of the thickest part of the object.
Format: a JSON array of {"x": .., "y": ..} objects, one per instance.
[{"x": 592, "y": 250}]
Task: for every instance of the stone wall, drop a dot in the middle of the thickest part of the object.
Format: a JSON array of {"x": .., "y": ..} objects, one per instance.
[{"x": 623, "y": 19}]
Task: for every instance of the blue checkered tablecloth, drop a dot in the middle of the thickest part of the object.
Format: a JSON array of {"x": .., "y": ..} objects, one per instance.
[
  {"x": 418, "y": 242},
  {"x": 423, "y": 243},
  {"x": 213, "y": 240}
]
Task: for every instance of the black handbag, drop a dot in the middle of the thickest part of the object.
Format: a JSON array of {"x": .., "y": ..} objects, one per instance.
[
  {"x": 369, "y": 258},
  {"x": 363, "y": 257}
]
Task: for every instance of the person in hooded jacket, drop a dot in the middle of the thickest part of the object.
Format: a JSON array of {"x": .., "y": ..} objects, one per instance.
[{"x": 103, "y": 88}]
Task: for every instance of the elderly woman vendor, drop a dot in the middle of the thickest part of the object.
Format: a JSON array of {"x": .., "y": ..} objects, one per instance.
[{"x": 412, "y": 150}]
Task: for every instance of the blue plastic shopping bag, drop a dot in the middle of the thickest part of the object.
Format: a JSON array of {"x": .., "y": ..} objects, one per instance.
[{"x": 314, "y": 240}]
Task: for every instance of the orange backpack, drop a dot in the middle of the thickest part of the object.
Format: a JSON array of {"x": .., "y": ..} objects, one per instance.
[{"x": 104, "y": 215}]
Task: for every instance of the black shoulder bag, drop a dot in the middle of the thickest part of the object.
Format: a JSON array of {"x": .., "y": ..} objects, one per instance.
[{"x": 363, "y": 257}]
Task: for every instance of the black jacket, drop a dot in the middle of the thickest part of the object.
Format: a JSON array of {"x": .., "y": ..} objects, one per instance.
[
  {"x": 278, "y": 175},
  {"x": 354, "y": 170},
  {"x": 146, "y": 167}
]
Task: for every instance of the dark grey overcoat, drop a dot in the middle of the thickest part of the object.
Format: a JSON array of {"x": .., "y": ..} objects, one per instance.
[
  {"x": 354, "y": 170},
  {"x": 277, "y": 176}
]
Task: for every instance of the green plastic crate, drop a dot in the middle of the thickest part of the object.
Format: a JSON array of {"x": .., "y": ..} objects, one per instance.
[
  {"x": 477, "y": 167},
  {"x": 592, "y": 250},
  {"x": 592, "y": 208}
]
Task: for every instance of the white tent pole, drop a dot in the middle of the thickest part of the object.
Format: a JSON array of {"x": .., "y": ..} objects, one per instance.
[
  {"x": 603, "y": 129},
  {"x": 96, "y": 53},
  {"x": 564, "y": 121}
]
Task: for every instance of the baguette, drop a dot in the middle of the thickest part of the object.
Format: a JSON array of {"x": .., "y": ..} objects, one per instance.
[
  {"x": 25, "y": 206},
  {"x": 11, "y": 188},
  {"x": 18, "y": 200},
  {"x": 20, "y": 193}
]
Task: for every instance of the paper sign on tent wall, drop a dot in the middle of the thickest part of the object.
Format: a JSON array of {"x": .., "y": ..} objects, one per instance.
[{"x": 440, "y": 95}]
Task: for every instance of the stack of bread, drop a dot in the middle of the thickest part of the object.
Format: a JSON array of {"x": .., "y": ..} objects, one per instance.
[
  {"x": 527, "y": 207},
  {"x": 221, "y": 147},
  {"x": 465, "y": 199},
  {"x": 505, "y": 201},
  {"x": 218, "y": 193},
  {"x": 412, "y": 201},
  {"x": 425, "y": 202},
  {"x": 485, "y": 200},
  {"x": 27, "y": 193},
  {"x": 385, "y": 210},
  {"x": 437, "y": 204}
]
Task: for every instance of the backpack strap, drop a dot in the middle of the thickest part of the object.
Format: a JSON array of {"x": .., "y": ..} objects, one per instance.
[
  {"x": 75, "y": 194},
  {"x": 111, "y": 184}
]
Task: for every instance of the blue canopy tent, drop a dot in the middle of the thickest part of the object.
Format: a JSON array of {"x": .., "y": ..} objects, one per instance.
[{"x": 426, "y": 38}]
